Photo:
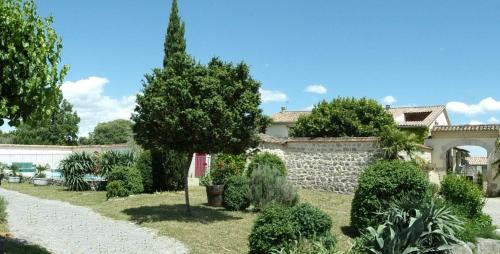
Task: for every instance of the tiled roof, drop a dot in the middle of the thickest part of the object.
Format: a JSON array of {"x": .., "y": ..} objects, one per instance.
[
  {"x": 434, "y": 112},
  {"x": 453, "y": 128},
  {"x": 288, "y": 116},
  {"x": 399, "y": 113},
  {"x": 477, "y": 160}
]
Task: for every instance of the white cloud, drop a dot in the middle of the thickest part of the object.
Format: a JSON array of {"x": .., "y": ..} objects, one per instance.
[
  {"x": 474, "y": 122},
  {"x": 493, "y": 120},
  {"x": 272, "y": 96},
  {"x": 388, "y": 100},
  {"x": 92, "y": 106},
  {"x": 486, "y": 105},
  {"x": 319, "y": 89}
]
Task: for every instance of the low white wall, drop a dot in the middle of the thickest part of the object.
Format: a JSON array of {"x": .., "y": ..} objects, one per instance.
[{"x": 51, "y": 155}]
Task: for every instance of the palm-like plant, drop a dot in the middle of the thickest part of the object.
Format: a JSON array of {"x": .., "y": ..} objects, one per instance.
[
  {"x": 394, "y": 141},
  {"x": 110, "y": 159},
  {"x": 74, "y": 168},
  {"x": 428, "y": 228}
]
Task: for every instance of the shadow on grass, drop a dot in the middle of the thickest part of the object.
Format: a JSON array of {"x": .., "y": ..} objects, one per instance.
[
  {"x": 177, "y": 212},
  {"x": 9, "y": 245}
]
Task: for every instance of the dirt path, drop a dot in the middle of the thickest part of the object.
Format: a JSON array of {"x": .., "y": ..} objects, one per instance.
[
  {"x": 64, "y": 228},
  {"x": 492, "y": 208}
]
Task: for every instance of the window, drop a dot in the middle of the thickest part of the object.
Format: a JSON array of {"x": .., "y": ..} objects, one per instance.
[{"x": 416, "y": 116}]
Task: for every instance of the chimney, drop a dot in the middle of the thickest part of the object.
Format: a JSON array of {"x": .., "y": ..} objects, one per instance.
[
  {"x": 283, "y": 109},
  {"x": 387, "y": 107}
]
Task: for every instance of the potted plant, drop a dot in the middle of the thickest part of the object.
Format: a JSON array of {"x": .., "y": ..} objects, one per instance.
[
  {"x": 3, "y": 167},
  {"x": 40, "y": 178},
  {"x": 14, "y": 178},
  {"x": 214, "y": 187},
  {"x": 225, "y": 166}
]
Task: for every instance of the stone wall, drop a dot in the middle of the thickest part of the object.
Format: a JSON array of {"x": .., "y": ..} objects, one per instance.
[{"x": 329, "y": 164}]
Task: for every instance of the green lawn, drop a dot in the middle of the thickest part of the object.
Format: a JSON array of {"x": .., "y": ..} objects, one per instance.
[{"x": 208, "y": 229}]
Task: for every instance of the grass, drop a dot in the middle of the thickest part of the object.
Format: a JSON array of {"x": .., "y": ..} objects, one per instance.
[{"x": 207, "y": 229}]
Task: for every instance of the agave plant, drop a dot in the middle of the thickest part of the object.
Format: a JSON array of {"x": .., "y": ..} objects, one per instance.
[
  {"x": 74, "y": 168},
  {"x": 426, "y": 229},
  {"x": 110, "y": 159}
]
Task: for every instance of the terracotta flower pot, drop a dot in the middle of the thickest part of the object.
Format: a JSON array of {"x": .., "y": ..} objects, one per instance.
[{"x": 215, "y": 194}]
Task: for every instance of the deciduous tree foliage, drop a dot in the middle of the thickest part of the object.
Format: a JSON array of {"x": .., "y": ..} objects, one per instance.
[
  {"x": 114, "y": 132},
  {"x": 61, "y": 128},
  {"x": 344, "y": 117},
  {"x": 30, "y": 74},
  {"x": 188, "y": 107}
]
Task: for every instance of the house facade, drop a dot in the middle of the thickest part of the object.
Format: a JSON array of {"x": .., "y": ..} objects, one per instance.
[{"x": 407, "y": 118}]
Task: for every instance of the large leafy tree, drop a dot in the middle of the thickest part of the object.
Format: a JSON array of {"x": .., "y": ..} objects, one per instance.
[
  {"x": 30, "y": 74},
  {"x": 188, "y": 107},
  {"x": 351, "y": 117},
  {"x": 344, "y": 117},
  {"x": 114, "y": 132},
  {"x": 60, "y": 128}
]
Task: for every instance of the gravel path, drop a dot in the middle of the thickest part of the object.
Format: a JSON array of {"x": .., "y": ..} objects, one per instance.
[
  {"x": 492, "y": 208},
  {"x": 64, "y": 228}
]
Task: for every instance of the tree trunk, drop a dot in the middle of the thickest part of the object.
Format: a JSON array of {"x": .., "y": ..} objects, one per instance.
[{"x": 186, "y": 187}]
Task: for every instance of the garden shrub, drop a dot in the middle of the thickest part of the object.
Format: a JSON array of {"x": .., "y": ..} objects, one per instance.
[
  {"x": 3, "y": 209},
  {"x": 380, "y": 184},
  {"x": 300, "y": 229},
  {"x": 266, "y": 161},
  {"x": 413, "y": 226},
  {"x": 311, "y": 220},
  {"x": 226, "y": 166},
  {"x": 268, "y": 186},
  {"x": 273, "y": 229},
  {"x": 116, "y": 188},
  {"x": 479, "y": 226},
  {"x": 237, "y": 193},
  {"x": 463, "y": 194},
  {"x": 106, "y": 161},
  {"x": 145, "y": 166},
  {"x": 175, "y": 169},
  {"x": 74, "y": 168},
  {"x": 130, "y": 178},
  {"x": 316, "y": 245}
]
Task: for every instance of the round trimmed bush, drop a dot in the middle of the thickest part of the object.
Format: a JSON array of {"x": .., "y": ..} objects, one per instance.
[
  {"x": 312, "y": 222},
  {"x": 464, "y": 194},
  {"x": 382, "y": 183},
  {"x": 130, "y": 176},
  {"x": 265, "y": 161},
  {"x": 237, "y": 193},
  {"x": 116, "y": 188},
  {"x": 273, "y": 229}
]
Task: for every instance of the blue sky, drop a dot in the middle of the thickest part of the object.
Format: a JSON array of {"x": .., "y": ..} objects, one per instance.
[{"x": 417, "y": 52}]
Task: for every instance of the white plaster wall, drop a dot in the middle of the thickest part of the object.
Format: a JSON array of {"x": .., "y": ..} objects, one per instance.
[
  {"x": 441, "y": 120},
  {"x": 278, "y": 130},
  {"x": 51, "y": 155}
]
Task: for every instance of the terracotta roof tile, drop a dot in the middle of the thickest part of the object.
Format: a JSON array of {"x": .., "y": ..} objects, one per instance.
[
  {"x": 288, "y": 116},
  {"x": 477, "y": 160},
  {"x": 453, "y": 128}
]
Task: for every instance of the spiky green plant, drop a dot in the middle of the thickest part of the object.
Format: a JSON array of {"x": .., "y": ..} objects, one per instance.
[
  {"x": 74, "y": 168},
  {"x": 110, "y": 159},
  {"x": 413, "y": 227}
]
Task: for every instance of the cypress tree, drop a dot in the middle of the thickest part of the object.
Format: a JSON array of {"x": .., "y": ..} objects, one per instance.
[
  {"x": 174, "y": 39},
  {"x": 164, "y": 177}
]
